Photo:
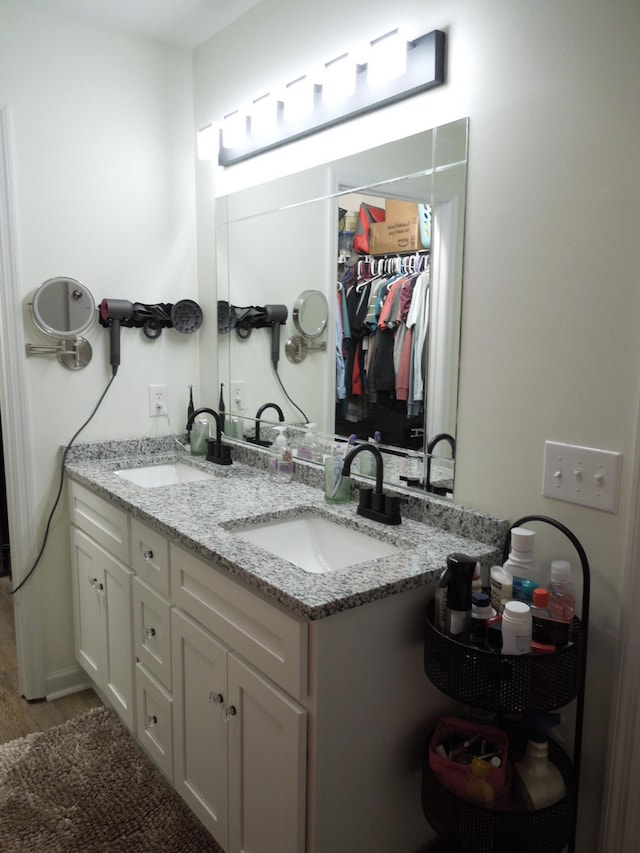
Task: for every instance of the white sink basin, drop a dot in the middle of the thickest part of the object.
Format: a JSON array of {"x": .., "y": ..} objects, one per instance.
[
  {"x": 152, "y": 476},
  {"x": 316, "y": 544}
]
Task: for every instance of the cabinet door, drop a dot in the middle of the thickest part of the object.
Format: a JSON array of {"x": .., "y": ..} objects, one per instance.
[
  {"x": 267, "y": 765},
  {"x": 200, "y": 737},
  {"x": 119, "y": 680},
  {"x": 88, "y": 573},
  {"x": 102, "y": 612}
]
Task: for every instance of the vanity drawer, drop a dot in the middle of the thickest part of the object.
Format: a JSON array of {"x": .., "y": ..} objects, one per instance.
[
  {"x": 150, "y": 556},
  {"x": 152, "y": 631},
  {"x": 155, "y": 720},
  {"x": 271, "y": 639},
  {"x": 104, "y": 523}
]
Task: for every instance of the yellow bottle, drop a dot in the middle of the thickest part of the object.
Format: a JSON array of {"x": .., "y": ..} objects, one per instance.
[{"x": 479, "y": 789}]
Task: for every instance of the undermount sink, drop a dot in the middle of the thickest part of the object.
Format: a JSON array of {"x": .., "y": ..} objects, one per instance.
[
  {"x": 152, "y": 476},
  {"x": 316, "y": 544}
]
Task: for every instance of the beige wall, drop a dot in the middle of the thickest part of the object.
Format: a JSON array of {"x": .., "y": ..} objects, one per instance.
[{"x": 551, "y": 300}]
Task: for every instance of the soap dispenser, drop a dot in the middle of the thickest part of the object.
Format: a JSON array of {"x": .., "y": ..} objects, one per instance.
[
  {"x": 281, "y": 462},
  {"x": 310, "y": 448}
]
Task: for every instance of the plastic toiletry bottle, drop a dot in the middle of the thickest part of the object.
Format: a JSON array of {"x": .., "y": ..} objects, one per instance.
[
  {"x": 367, "y": 462},
  {"x": 540, "y": 605},
  {"x": 527, "y": 589},
  {"x": 479, "y": 789},
  {"x": 481, "y": 611},
  {"x": 281, "y": 463},
  {"x": 562, "y": 604},
  {"x": 538, "y": 780},
  {"x": 516, "y": 628},
  {"x": 521, "y": 563},
  {"x": 458, "y": 578},
  {"x": 310, "y": 448},
  {"x": 337, "y": 488},
  {"x": 200, "y": 432},
  {"x": 501, "y": 587}
]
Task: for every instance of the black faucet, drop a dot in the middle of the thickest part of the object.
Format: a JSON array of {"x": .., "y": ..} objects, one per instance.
[
  {"x": 441, "y": 436},
  {"x": 374, "y": 504},
  {"x": 261, "y": 441},
  {"x": 216, "y": 451}
]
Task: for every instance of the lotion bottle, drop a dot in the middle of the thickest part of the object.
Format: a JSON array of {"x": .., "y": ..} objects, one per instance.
[{"x": 281, "y": 463}]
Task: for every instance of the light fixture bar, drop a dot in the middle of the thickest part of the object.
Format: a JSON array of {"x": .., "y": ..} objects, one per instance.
[{"x": 424, "y": 70}]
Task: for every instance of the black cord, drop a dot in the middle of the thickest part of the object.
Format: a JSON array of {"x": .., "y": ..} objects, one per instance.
[
  {"x": 57, "y": 500},
  {"x": 306, "y": 419}
]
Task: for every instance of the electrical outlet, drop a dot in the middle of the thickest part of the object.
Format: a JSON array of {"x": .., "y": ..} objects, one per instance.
[
  {"x": 158, "y": 400},
  {"x": 238, "y": 399},
  {"x": 582, "y": 475}
]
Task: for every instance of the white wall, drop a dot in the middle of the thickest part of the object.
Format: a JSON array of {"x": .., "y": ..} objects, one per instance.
[
  {"x": 104, "y": 180},
  {"x": 551, "y": 302}
]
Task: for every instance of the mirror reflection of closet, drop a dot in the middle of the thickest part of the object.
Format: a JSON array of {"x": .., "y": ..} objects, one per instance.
[{"x": 278, "y": 236}]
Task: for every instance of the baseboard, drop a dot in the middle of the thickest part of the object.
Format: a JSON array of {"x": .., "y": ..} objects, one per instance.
[{"x": 66, "y": 681}]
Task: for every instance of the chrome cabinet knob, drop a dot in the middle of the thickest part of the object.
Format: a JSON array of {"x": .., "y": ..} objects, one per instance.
[
  {"x": 229, "y": 712},
  {"x": 148, "y": 555},
  {"x": 216, "y": 698},
  {"x": 152, "y": 720},
  {"x": 149, "y": 633}
]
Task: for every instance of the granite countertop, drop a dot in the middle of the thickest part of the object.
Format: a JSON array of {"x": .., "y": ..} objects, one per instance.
[{"x": 202, "y": 516}]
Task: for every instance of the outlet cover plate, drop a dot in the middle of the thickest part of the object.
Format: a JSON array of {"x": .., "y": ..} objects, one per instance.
[
  {"x": 158, "y": 400},
  {"x": 582, "y": 475}
]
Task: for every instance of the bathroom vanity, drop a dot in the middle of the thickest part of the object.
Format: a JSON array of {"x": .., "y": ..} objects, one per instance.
[{"x": 288, "y": 708}]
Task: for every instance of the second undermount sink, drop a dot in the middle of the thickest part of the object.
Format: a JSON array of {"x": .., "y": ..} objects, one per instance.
[
  {"x": 169, "y": 474},
  {"x": 316, "y": 544}
]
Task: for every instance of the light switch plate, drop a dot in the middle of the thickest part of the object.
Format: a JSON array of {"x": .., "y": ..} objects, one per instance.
[{"x": 582, "y": 475}]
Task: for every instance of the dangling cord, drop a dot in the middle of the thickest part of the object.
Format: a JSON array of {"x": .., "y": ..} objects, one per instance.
[
  {"x": 57, "y": 500},
  {"x": 284, "y": 391}
]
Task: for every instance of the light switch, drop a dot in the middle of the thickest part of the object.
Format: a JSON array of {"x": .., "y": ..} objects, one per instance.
[{"x": 582, "y": 475}]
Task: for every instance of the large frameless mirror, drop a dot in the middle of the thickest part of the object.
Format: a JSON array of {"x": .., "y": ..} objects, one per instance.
[{"x": 299, "y": 230}]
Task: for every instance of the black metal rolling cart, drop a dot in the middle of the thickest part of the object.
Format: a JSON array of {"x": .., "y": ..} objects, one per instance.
[{"x": 510, "y": 686}]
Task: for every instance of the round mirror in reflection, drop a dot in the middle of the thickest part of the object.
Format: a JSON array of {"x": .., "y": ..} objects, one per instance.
[
  {"x": 63, "y": 308},
  {"x": 310, "y": 313}
]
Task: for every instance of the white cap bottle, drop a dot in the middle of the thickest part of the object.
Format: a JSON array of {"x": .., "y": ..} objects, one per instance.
[
  {"x": 516, "y": 628},
  {"x": 521, "y": 563}
]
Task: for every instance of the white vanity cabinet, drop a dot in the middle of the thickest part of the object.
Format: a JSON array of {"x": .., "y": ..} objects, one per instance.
[
  {"x": 240, "y": 740},
  {"x": 102, "y": 598}
]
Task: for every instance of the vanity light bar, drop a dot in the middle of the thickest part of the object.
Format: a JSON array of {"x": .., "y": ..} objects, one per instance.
[{"x": 423, "y": 69}]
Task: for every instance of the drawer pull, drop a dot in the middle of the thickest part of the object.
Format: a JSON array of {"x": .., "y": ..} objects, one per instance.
[
  {"x": 92, "y": 582},
  {"x": 149, "y": 633},
  {"x": 229, "y": 712},
  {"x": 151, "y": 721},
  {"x": 216, "y": 698},
  {"x": 148, "y": 555}
]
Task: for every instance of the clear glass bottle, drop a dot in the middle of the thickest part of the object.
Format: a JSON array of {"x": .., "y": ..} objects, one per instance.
[
  {"x": 200, "y": 432},
  {"x": 281, "y": 462},
  {"x": 337, "y": 488}
]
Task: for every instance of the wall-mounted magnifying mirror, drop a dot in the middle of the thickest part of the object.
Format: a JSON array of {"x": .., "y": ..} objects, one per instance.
[
  {"x": 310, "y": 316},
  {"x": 63, "y": 308}
]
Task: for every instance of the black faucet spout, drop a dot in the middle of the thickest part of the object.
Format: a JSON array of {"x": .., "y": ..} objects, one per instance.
[
  {"x": 216, "y": 451},
  {"x": 348, "y": 459},
  {"x": 263, "y": 408},
  {"x": 206, "y": 411}
]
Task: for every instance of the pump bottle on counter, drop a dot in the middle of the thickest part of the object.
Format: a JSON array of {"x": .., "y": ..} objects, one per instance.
[{"x": 457, "y": 578}]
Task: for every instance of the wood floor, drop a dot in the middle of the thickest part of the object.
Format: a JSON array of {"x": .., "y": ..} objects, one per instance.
[{"x": 17, "y": 716}]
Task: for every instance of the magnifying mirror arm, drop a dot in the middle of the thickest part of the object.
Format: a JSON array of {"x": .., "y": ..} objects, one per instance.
[{"x": 73, "y": 353}]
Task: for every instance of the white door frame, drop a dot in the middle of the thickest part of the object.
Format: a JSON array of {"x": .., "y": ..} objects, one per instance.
[
  {"x": 620, "y": 827},
  {"x": 17, "y": 453}
]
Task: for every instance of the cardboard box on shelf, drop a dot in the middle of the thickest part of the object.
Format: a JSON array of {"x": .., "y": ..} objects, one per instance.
[
  {"x": 397, "y": 210},
  {"x": 401, "y": 235}
]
